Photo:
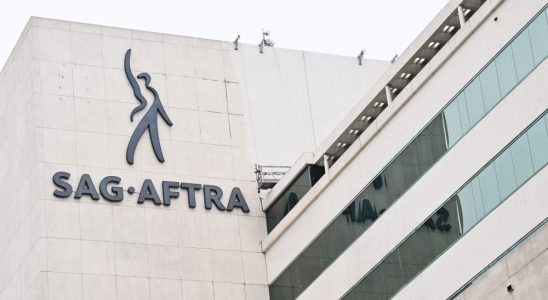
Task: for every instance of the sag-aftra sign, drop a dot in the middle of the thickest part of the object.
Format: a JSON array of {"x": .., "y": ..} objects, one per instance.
[{"x": 110, "y": 188}]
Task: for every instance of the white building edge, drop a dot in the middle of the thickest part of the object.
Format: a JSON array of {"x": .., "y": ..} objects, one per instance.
[
  {"x": 322, "y": 249},
  {"x": 376, "y": 207},
  {"x": 66, "y": 105}
]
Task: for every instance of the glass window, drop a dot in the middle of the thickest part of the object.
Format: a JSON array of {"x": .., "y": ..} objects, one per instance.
[
  {"x": 490, "y": 86},
  {"x": 446, "y": 225},
  {"x": 448, "y": 222},
  {"x": 474, "y": 102},
  {"x": 418, "y": 249},
  {"x": 523, "y": 56},
  {"x": 453, "y": 129},
  {"x": 538, "y": 33},
  {"x": 392, "y": 273},
  {"x": 292, "y": 195},
  {"x": 375, "y": 283},
  {"x": 305, "y": 269},
  {"x": 476, "y": 190},
  {"x": 506, "y": 71},
  {"x": 468, "y": 216},
  {"x": 464, "y": 120},
  {"x": 506, "y": 178},
  {"x": 521, "y": 155},
  {"x": 281, "y": 292},
  {"x": 489, "y": 188},
  {"x": 538, "y": 141},
  {"x": 472, "y": 203},
  {"x": 439, "y": 145}
]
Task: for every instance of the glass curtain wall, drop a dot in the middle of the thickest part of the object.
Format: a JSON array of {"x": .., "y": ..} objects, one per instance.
[
  {"x": 511, "y": 168},
  {"x": 502, "y": 74},
  {"x": 292, "y": 194}
]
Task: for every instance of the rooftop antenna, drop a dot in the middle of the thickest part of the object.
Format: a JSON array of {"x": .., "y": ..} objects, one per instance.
[
  {"x": 394, "y": 58},
  {"x": 265, "y": 41},
  {"x": 236, "y": 42},
  {"x": 360, "y": 56}
]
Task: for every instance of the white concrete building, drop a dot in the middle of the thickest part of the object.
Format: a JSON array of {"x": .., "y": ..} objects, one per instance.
[
  {"x": 65, "y": 106},
  {"x": 130, "y": 174},
  {"x": 436, "y": 173}
]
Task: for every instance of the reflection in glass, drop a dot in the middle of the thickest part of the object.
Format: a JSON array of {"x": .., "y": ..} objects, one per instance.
[
  {"x": 453, "y": 128},
  {"x": 471, "y": 203},
  {"x": 448, "y": 224},
  {"x": 467, "y": 212},
  {"x": 292, "y": 194},
  {"x": 408, "y": 259}
]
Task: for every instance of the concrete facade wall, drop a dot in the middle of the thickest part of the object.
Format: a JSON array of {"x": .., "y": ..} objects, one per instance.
[
  {"x": 524, "y": 268},
  {"x": 513, "y": 219},
  {"x": 430, "y": 192},
  {"x": 423, "y": 198},
  {"x": 67, "y": 108},
  {"x": 21, "y": 214},
  {"x": 297, "y": 98}
]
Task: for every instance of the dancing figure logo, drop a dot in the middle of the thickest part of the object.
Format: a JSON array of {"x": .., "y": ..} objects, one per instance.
[{"x": 150, "y": 119}]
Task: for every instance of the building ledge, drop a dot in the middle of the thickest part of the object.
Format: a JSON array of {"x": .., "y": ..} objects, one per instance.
[{"x": 378, "y": 124}]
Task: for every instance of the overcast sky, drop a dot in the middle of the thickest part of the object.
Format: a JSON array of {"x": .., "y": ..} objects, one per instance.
[{"x": 343, "y": 27}]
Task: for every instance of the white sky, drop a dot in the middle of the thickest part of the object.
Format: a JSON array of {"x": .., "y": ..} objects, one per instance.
[{"x": 343, "y": 27}]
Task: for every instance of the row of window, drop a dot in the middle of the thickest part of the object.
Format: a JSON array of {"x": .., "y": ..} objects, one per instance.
[
  {"x": 292, "y": 195},
  {"x": 509, "y": 67},
  {"x": 511, "y": 168}
]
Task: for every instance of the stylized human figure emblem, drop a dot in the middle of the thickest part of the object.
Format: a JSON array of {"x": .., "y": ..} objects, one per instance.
[{"x": 150, "y": 119}]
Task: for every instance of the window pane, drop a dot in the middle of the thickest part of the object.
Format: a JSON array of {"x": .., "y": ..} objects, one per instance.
[
  {"x": 428, "y": 149},
  {"x": 506, "y": 71},
  {"x": 393, "y": 277},
  {"x": 505, "y": 174},
  {"x": 372, "y": 287},
  {"x": 305, "y": 269},
  {"x": 448, "y": 221},
  {"x": 293, "y": 193},
  {"x": 438, "y": 146},
  {"x": 464, "y": 121},
  {"x": 476, "y": 189},
  {"x": 469, "y": 205},
  {"x": 489, "y": 188},
  {"x": 523, "y": 165},
  {"x": 417, "y": 250},
  {"x": 394, "y": 178},
  {"x": 490, "y": 86},
  {"x": 468, "y": 216},
  {"x": 281, "y": 292},
  {"x": 462, "y": 211},
  {"x": 538, "y": 33},
  {"x": 523, "y": 56},
  {"x": 474, "y": 102},
  {"x": 538, "y": 140},
  {"x": 453, "y": 129}
]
